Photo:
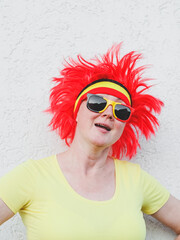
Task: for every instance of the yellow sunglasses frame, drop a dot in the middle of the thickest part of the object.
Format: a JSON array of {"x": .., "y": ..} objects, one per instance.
[{"x": 113, "y": 104}]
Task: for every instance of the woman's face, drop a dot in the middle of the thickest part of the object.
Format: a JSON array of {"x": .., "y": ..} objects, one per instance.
[{"x": 100, "y": 129}]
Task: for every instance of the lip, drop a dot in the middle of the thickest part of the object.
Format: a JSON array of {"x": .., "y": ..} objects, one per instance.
[{"x": 103, "y": 126}]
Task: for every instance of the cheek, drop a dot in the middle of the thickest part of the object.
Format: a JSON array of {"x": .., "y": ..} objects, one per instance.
[
  {"x": 84, "y": 114},
  {"x": 119, "y": 129}
]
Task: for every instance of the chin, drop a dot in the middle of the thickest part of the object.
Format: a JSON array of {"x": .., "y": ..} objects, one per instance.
[{"x": 101, "y": 142}]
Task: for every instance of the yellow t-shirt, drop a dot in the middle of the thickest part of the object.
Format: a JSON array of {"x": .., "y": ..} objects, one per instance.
[{"x": 52, "y": 210}]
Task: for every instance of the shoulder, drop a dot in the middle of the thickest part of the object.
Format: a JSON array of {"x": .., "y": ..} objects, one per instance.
[
  {"x": 42, "y": 162},
  {"x": 129, "y": 172},
  {"x": 40, "y": 165},
  {"x": 133, "y": 172},
  {"x": 127, "y": 167},
  {"x": 30, "y": 168}
]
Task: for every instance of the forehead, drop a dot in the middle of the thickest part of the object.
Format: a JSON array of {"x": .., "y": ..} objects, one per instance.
[{"x": 110, "y": 97}]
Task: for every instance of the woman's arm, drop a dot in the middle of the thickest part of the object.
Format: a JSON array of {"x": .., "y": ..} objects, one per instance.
[
  {"x": 5, "y": 212},
  {"x": 169, "y": 215}
]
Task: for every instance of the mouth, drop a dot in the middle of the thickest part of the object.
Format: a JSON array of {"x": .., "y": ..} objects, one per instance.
[{"x": 100, "y": 125}]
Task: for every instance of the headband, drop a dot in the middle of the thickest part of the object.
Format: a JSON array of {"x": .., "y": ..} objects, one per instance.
[{"x": 106, "y": 86}]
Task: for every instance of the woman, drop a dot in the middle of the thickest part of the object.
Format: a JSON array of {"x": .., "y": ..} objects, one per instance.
[{"x": 99, "y": 108}]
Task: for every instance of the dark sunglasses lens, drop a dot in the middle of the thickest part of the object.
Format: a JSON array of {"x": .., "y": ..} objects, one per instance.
[
  {"x": 96, "y": 103},
  {"x": 122, "y": 112}
]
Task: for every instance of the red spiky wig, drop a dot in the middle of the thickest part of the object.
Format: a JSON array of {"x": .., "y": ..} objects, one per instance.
[{"x": 76, "y": 75}]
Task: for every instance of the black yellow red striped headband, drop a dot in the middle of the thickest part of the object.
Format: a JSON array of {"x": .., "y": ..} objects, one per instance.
[{"x": 106, "y": 86}]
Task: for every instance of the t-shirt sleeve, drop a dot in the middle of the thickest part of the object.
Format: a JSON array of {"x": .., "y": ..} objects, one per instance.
[
  {"x": 154, "y": 194},
  {"x": 16, "y": 187}
]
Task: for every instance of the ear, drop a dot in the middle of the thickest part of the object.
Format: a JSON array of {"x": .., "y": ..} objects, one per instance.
[{"x": 77, "y": 116}]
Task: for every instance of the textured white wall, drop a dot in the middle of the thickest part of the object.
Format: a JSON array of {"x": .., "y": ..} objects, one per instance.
[{"x": 37, "y": 35}]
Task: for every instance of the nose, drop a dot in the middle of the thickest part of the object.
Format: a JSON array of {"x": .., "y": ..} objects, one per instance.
[{"x": 108, "y": 112}]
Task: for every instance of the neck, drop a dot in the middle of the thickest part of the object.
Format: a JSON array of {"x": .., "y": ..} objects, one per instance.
[{"x": 86, "y": 157}]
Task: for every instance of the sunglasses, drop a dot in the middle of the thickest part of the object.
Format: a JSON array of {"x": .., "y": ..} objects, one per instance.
[{"x": 99, "y": 104}]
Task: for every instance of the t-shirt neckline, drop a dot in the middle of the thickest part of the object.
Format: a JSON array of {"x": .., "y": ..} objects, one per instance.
[{"x": 82, "y": 198}]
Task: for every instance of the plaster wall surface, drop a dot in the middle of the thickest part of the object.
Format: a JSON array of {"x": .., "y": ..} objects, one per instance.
[{"x": 36, "y": 36}]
